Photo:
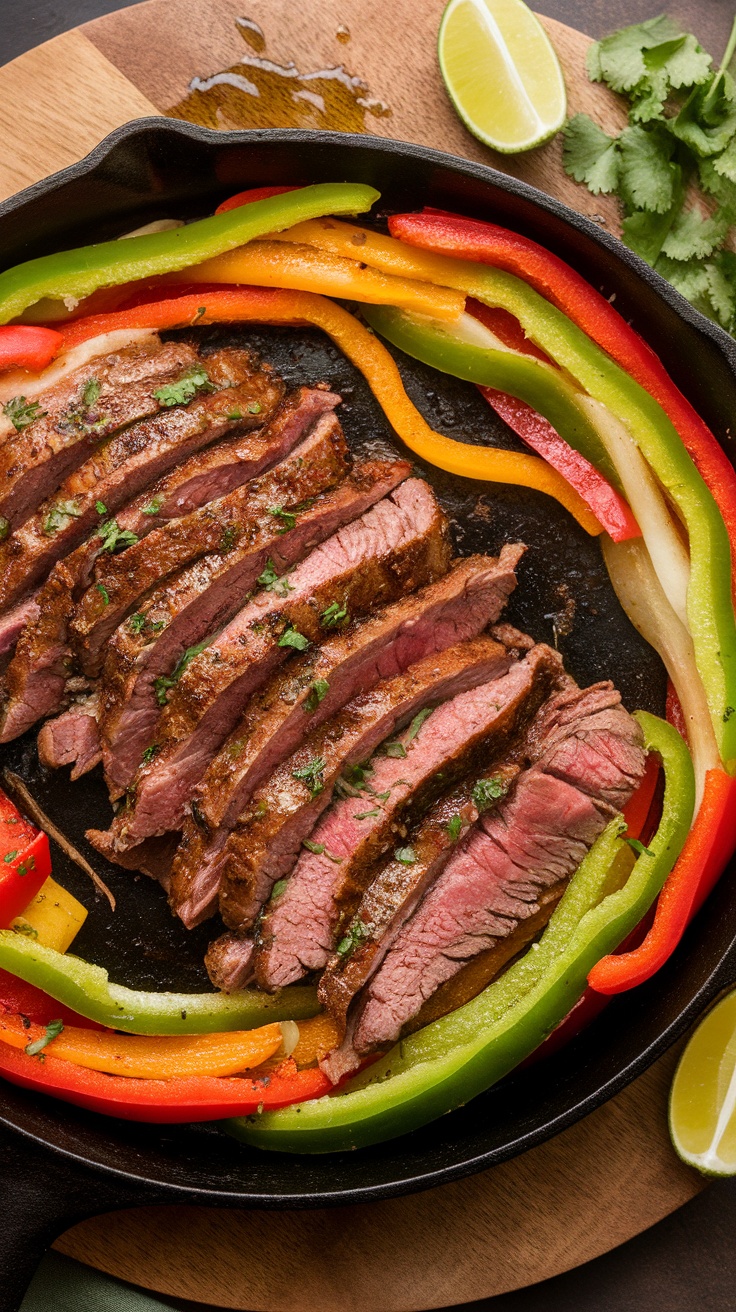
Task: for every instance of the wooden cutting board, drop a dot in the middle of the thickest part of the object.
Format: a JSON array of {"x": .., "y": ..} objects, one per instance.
[{"x": 327, "y": 63}]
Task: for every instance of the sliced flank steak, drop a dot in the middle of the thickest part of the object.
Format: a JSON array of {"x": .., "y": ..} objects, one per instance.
[
  {"x": 313, "y": 688},
  {"x": 589, "y": 760},
  {"x": 72, "y": 738},
  {"x": 43, "y": 660},
  {"x": 361, "y": 566},
  {"x": 52, "y": 434},
  {"x": 299, "y": 933},
  {"x": 149, "y": 653},
  {"x": 246, "y": 515},
  {"x": 121, "y": 466}
]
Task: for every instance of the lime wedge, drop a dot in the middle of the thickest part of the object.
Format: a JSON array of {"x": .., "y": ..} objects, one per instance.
[
  {"x": 703, "y": 1096},
  {"x": 501, "y": 73}
]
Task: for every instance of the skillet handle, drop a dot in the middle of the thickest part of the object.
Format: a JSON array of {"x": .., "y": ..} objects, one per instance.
[{"x": 41, "y": 1196}]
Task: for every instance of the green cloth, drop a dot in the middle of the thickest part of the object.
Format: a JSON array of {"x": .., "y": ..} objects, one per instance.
[{"x": 61, "y": 1285}]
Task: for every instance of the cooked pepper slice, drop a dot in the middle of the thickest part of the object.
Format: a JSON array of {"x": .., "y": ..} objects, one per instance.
[
  {"x": 25, "y": 861},
  {"x": 148, "y": 1058},
  {"x": 26, "y": 347},
  {"x": 86, "y": 989},
  {"x": 368, "y": 354},
  {"x": 460, "y": 1055},
  {"x": 54, "y": 917},
  {"x": 164, "y": 1102},
  {"x": 487, "y": 243},
  {"x": 300, "y": 268},
  {"x": 247, "y": 197},
  {"x": 80, "y": 272}
]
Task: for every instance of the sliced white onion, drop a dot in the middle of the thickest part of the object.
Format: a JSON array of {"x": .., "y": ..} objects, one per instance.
[
  {"x": 290, "y": 1035},
  {"x": 158, "y": 225},
  {"x": 20, "y": 382},
  {"x": 638, "y": 589}
]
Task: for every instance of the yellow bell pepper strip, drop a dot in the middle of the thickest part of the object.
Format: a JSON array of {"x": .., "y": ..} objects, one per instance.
[
  {"x": 86, "y": 989},
  {"x": 300, "y": 268},
  {"x": 454, "y": 1058},
  {"x": 145, "y": 1058},
  {"x": 368, "y": 354},
  {"x": 54, "y": 917},
  {"x": 164, "y": 1102},
  {"x": 78, "y": 273}
]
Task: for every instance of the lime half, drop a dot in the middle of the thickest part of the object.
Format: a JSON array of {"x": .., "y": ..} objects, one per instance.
[
  {"x": 501, "y": 73},
  {"x": 703, "y": 1096}
]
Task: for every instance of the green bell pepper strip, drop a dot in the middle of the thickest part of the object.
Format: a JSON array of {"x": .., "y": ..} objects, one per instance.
[
  {"x": 710, "y": 611},
  {"x": 455, "y": 1058},
  {"x": 86, "y": 989},
  {"x": 79, "y": 272}
]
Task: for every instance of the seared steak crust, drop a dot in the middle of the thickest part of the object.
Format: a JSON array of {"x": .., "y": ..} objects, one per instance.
[
  {"x": 589, "y": 760},
  {"x": 124, "y": 464},
  {"x": 245, "y": 515},
  {"x": 326, "y": 885},
  {"x": 312, "y": 689},
  {"x": 359, "y": 567},
  {"x": 35, "y": 460},
  {"x": 198, "y": 601}
]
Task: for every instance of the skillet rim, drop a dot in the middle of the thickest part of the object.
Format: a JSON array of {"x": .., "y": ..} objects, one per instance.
[{"x": 721, "y": 972}]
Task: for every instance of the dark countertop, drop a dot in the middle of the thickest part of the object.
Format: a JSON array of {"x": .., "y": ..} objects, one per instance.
[{"x": 687, "y": 1261}]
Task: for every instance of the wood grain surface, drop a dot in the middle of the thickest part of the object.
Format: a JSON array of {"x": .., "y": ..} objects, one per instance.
[{"x": 614, "y": 1174}]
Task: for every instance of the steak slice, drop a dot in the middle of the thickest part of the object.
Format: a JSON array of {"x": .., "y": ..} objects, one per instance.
[
  {"x": 144, "y": 661},
  {"x": 124, "y": 464},
  {"x": 100, "y": 397},
  {"x": 589, "y": 760},
  {"x": 372, "y": 560},
  {"x": 245, "y": 515},
  {"x": 40, "y": 672},
  {"x": 229, "y": 962},
  {"x": 311, "y": 690},
  {"x": 72, "y": 738},
  {"x": 299, "y": 933}
]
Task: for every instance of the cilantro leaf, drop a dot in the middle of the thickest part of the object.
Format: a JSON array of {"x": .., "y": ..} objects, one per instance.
[
  {"x": 334, "y": 616},
  {"x": 454, "y": 827},
  {"x": 293, "y": 638},
  {"x": 648, "y": 178},
  {"x": 52, "y": 1031},
  {"x": 316, "y": 694},
  {"x": 487, "y": 792},
  {"x": 590, "y": 155},
  {"x": 162, "y": 685},
  {"x": 194, "y": 381},
  {"x": 626, "y": 60},
  {"x": 115, "y": 538},
  {"x": 311, "y": 775},
  {"x": 406, "y": 855},
  {"x": 694, "y": 236},
  {"x": 103, "y": 593},
  {"x": 355, "y": 934},
  {"x": 59, "y": 516},
  {"x": 21, "y": 413}
]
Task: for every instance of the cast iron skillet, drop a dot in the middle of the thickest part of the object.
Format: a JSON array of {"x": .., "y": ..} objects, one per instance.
[{"x": 71, "y": 1163}]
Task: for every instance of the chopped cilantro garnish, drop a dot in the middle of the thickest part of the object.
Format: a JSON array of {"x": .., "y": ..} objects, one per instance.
[
  {"x": 153, "y": 507},
  {"x": 254, "y": 408},
  {"x": 103, "y": 593},
  {"x": 91, "y": 392},
  {"x": 311, "y": 775},
  {"x": 52, "y": 1031},
  {"x": 10, "y": 856},
  {"x": 100, "y": 507},
  {"x": 454, "y": 827},
  {"x": 487, "y": 792},
  {"x": 150, "y": 752},
  {"x": 316, "y": 848},
  {"x": 395, "y": 749},
  {"x": 287, "y": 517},
  {"x": 272, "y": 581},
  {"x": 316, "y": 694},
  {"x": 368, "y": 815},
  {"x": 228, "y": 539},
  {"x": 59, "y": 516},
  {"x": 21, "y": 413},
  {"x": 196, "y": 380},
  {"x": 357, "y": 774},
  {"x": 137, "y": 622},
  {"x": 234, "y": 415},
  {"x": 293, "y": 638},
  {"x": 334, "y": 616},
  {"x": 355, "y": 934},
  {"x": 115, "y": 538},
  {"x": 406, "y": 855},
  {"x": 162, "y": 685},
  {"x": 4, "y": 528},
  {"x": 278, "y": 889},
  {"x": 416, "y": 724}
]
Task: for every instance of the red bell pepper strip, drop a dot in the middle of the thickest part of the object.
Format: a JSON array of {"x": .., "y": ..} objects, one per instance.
[
  {"x": 709, "y": 845},
  {"x": 609, "y": 508},
  {"x": 487, "y": 243},
  {"x": 25, "y": 861},
  {"x": 246, "y": 197},
  {"x": 22, "y": 999},
  {"x": 25, "y": 346},
  {"x": 164, "y": 1102}
]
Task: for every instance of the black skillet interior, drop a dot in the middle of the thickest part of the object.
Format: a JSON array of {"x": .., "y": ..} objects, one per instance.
[{"x": 159, "y": 168}]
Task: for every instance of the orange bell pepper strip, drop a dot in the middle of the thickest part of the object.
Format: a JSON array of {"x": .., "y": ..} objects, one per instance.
[
  {"x": 367, "y": 353},
  {"x": 142, "y": 1056},
  {"x": 301, "y": 268},
  {"x": 162, "y": 1102}
]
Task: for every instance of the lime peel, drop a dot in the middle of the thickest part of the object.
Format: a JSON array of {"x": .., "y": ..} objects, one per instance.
[{"x": 702, "y": 1113}]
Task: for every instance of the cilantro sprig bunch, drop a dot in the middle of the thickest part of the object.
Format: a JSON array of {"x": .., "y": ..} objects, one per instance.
[{"x": 674, "y": 166}]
